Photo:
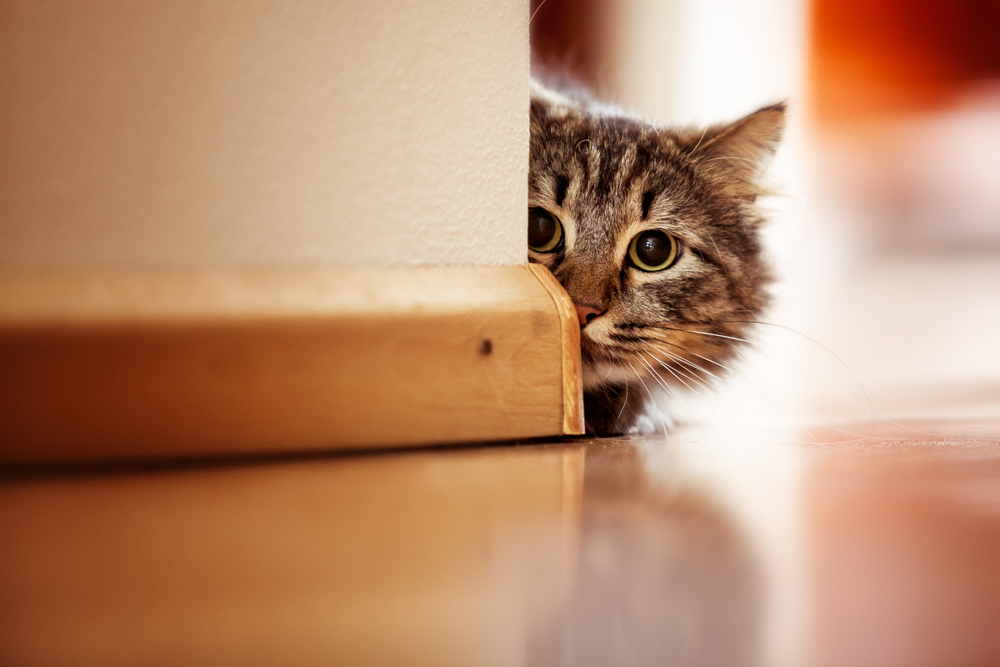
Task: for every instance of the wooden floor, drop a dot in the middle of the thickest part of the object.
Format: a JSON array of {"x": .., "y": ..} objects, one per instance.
[
  {"x": 852, "y": 540},
  {"x": 712, "y": 551}
]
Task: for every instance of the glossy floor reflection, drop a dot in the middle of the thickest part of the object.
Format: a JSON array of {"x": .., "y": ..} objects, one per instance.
[
  {"x": 664, "y": 573},
  {"x": 903, "y": 543},
  {"x": 698, "y": 549}
]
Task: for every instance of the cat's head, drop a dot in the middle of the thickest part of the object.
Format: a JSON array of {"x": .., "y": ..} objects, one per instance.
[{"x": 654, "y": 233}]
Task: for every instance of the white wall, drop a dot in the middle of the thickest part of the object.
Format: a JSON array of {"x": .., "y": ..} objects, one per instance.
[
  {"x": 255, "y": 132},
  {"x": 702, "y": 61}
]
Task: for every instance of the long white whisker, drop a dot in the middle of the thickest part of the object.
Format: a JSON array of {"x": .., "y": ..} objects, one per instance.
[
  {"x": 711, "y": 361},
  {"x": 625, "y": 402},
  {"x": 830, "y": 352},
  {"x": 679, "y": 358},
  {"x": 662, "y": 382},
  {"x": 537, "y": 9},
  {"x": 658, "y": 377},
  {"x": 688, "y": 374},
  {"x": 652, "y": 400},
  {"x": 758, "y": 385},
  {"x": 708, "y": 333},
  {"x": 680, "y": 379}
]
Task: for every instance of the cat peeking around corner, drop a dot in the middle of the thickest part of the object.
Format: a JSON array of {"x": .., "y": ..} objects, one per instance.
[{"x": 654, "y": 233}]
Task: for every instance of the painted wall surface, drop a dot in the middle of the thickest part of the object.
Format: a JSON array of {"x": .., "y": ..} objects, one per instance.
[
  {"x": 254, "y": 132},
  {"x": 693, "y": 62}
]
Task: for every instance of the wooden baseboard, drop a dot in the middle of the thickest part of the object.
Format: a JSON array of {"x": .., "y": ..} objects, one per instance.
[{"x": 175, "y": 364}]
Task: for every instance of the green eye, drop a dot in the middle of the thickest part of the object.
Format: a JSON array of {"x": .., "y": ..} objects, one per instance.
[
  {"x": 545, "y": 232},
  {"x": 653, "y": 250}
]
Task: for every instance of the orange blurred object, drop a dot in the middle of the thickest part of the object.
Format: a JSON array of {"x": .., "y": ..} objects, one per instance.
[{"x": 893, "y": 55}]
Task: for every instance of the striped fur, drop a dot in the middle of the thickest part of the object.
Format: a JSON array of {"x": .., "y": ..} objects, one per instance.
[{"x": 608, "y": 176}]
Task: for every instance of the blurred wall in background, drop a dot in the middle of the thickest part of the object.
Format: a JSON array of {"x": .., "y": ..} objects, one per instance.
[
  {"x": 677, "y": 61},
  {"x": 906, "y": 98},
  {"x": 249, "y": 132},
  {"x": 694, "y": 62},
  {"x": 903, "y": 161}
]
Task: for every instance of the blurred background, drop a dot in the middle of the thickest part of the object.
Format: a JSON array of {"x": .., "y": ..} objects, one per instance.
[
  {"x": 203, "y": 136},
  {"x": 888, "y": 234}
]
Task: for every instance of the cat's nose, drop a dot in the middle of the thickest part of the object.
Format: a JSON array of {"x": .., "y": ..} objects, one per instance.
[{"x": 586, "y": 314}]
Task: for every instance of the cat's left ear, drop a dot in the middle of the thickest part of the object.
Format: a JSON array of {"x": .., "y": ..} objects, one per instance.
[
  {"x": 547, "y": 104},
  {"x": 741, "y": 153},
  {"x": 541, "y": 101}
]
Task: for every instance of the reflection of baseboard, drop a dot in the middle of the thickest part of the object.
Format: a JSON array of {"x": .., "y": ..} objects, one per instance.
[
  {"x": 449, "y": 558},
  {"x": 144, "y": 365}
]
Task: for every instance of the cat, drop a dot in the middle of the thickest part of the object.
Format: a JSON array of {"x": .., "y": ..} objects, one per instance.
[{"x": 654, "y": 233}]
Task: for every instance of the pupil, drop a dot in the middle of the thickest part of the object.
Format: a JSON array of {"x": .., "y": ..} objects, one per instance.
[
  {"x": 653, "y": 248},
  {"x": 541, "y": 227}
]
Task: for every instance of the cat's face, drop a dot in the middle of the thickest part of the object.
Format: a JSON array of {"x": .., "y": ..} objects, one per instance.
[{"x": 653, "y": 233}]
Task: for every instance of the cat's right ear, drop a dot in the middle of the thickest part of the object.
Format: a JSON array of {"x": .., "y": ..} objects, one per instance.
[{"x": 741, "y": 152}]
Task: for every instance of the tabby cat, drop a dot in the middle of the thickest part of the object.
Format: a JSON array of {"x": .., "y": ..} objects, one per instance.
[{"x": 654, "y": 233}]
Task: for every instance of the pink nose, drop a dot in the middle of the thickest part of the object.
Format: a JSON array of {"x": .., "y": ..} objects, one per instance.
[{"x": 586, "y": 314}]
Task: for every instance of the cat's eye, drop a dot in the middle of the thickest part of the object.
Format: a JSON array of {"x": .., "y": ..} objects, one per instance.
[
  {"x": 545, "y": 232},
  {"x": 653, "y": 250}
]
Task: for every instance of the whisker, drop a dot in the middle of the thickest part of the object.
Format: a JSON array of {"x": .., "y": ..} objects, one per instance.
[
  {"x": 606, "y": 375},
  {"x": 625, "y": 402},
  {"x": 831, "y": 353},
  {"x": 868, "y": 403},
  {"x": 703, "y": 333},
  {"x": 652, "y": 400},
  {"x": 537, "y": 9},
  {"x": 687, "y": 373},
  {"x": 659, "y": 378},
  {"x": 798, "y": 197},
  {"x": 758, "y": 384},
  {"x": 679, "y": 358},
  {"x": 680, "y": 379},
  {"x": 884, "y": 418},
  {"x": 681, "y": 347},
  {"x": 662, "y": 382},
  {"x": 802, "y": 200},
  {"x": 651, "y": 342}
]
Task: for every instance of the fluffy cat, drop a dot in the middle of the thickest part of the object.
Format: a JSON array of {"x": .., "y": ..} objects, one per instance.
[{"x": 654, "y": 233}]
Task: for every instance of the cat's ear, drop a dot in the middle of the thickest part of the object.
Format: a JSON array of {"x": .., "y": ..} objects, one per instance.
[
  {"x": 547, "y": 103},
  {"x": 741, "y": 152}
]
